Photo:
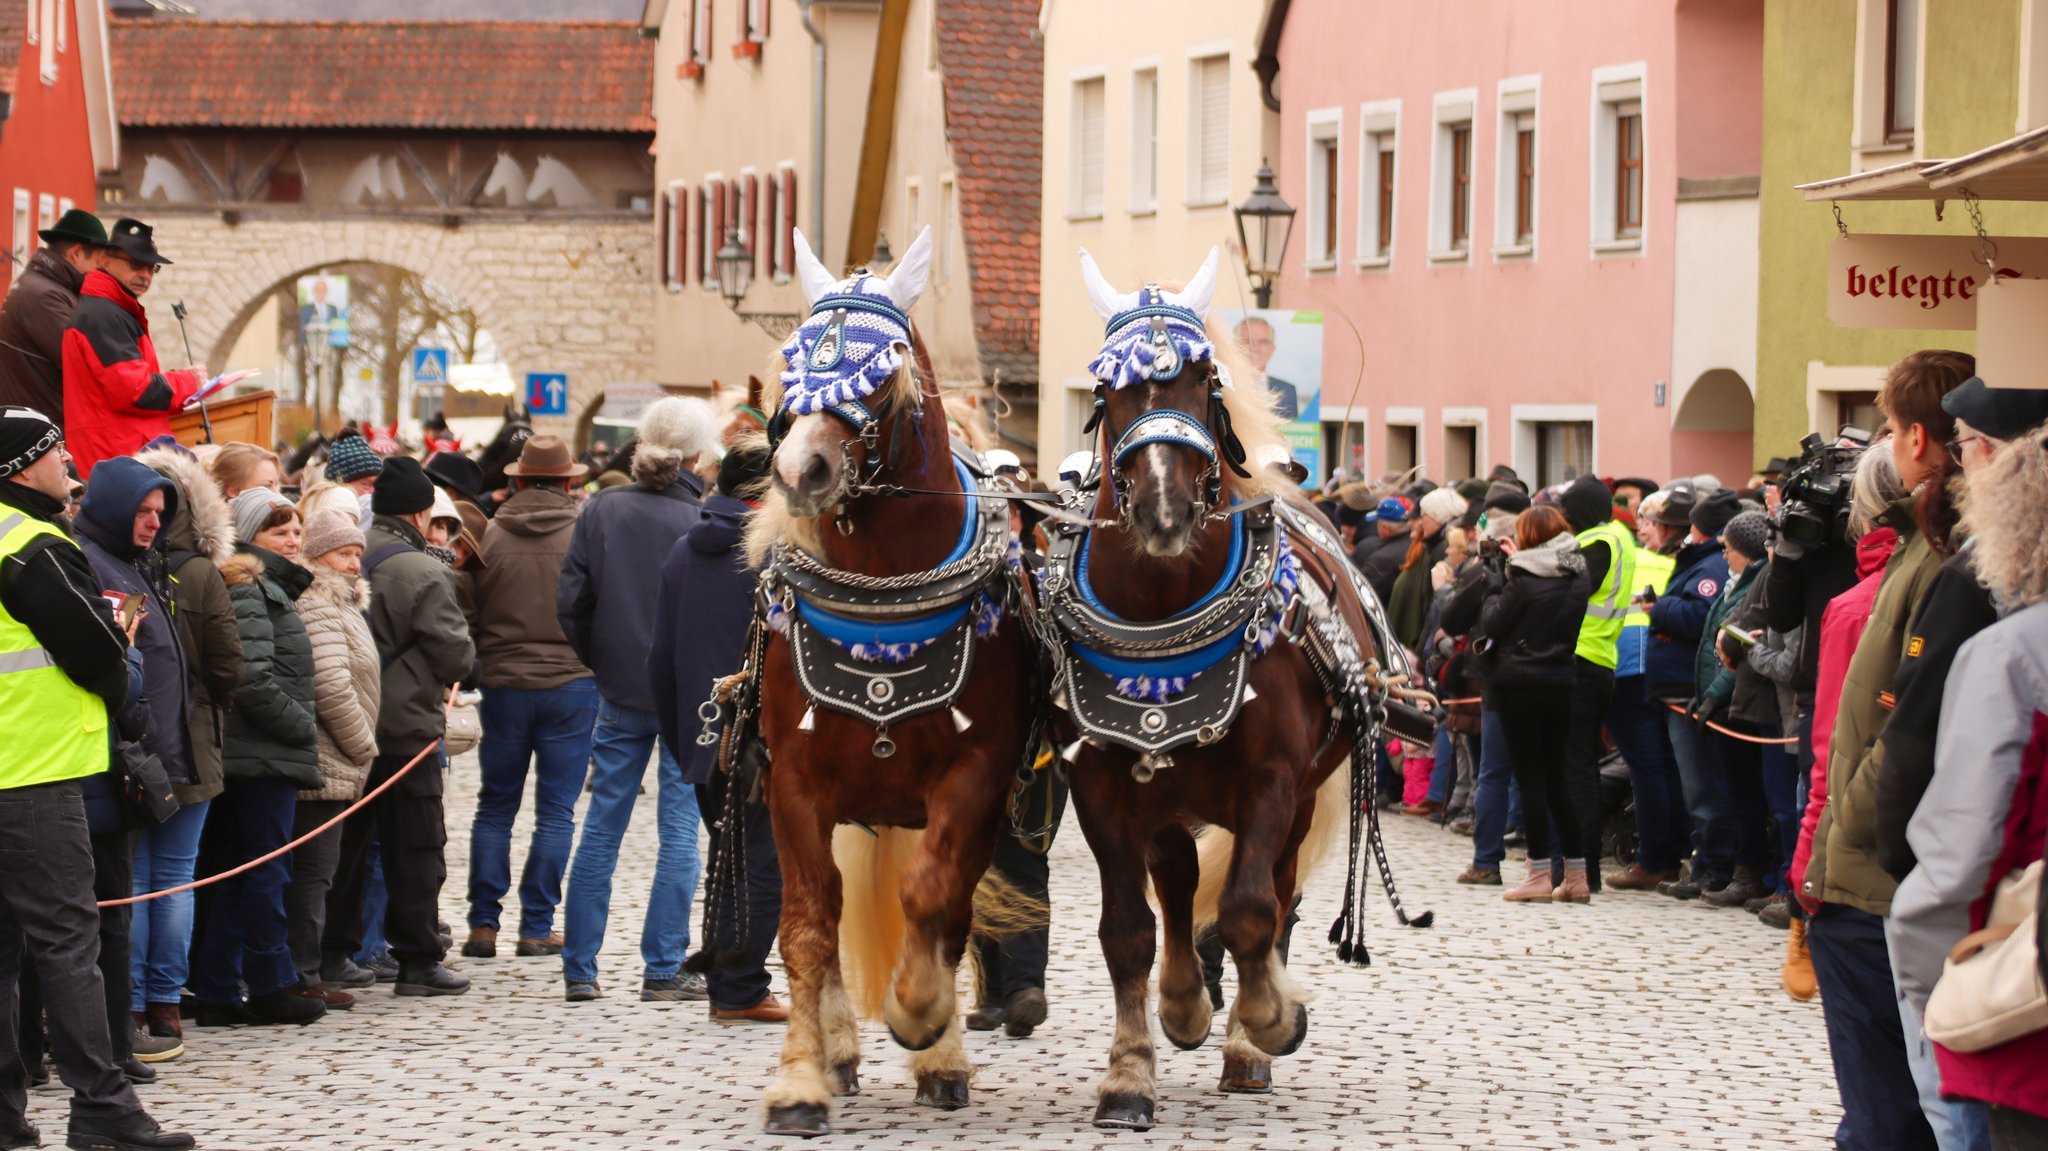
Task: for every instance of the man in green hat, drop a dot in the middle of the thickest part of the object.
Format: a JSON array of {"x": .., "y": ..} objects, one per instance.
[{"x": 33, "y": 319}]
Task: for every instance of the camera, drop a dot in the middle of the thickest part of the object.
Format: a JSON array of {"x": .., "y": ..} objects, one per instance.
[{"x": 1814, "y": 510}]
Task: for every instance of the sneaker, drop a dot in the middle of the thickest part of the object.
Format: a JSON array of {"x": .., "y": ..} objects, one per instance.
[
  {"x": 769, "y": 1010},
  {"x": 447, "y": 935},
  {"x": 385, "y": 967},
  {"x": 685, "y": 988},
  {"x": 429, "y": 979},
  {"x": 136, "y": 1072},
  {"x": 1480, "y": 875},
  {"x": 134, "y": 1131},
  {"x": 283, "y": 1007},
  {"x": 582, "y": 992},
  {"x": 1425, "y": 809},
  {"x": 1462, "y": 826},
  {"x": 481, "y": 944},
  {"x": 156, "y": 1049},
  {"x": 345, "y": 972},
  {"x": 552, "y": 945}
]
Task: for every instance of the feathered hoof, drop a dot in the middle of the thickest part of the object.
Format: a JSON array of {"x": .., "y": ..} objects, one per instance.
[
  {"x": 846, "y": 1078},
  {"x": 945, "y": 1090},
  {"x": 1246, "y": 1076},
  {"x": 1124, "y": 1113},
  {"x": 1293, "y": 1042},
  {"x": 907, "y": 1045},
  {"x": 806, "y": 1120},
  {"x": 1193, "y": 1044}
]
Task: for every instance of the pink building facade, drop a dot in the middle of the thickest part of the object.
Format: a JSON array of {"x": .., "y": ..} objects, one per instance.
[{"x": 1540, "y": 220}]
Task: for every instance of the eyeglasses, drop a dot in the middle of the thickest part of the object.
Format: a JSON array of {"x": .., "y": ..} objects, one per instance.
[
  {"x": 138, "y": 265},
  {"x": 1955, "y": 447}
]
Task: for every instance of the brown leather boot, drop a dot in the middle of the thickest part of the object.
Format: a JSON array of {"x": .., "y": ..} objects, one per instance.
[
  {"x": 163, "y": 1021},
  {"x": 1535, "y": 889},
  {"x": 769, "y": 1010},
  {"x": 1800, "y": 981},
  {"x": 481, "y": 944},
  {"x": 1635, "y": 878},
  {"x": 1574, "y": 889}
]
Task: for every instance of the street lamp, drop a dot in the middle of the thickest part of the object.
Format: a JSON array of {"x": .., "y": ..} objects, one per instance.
[
  {"x": 736, "y": 275},
  {"x": 1264, "y": 242}
]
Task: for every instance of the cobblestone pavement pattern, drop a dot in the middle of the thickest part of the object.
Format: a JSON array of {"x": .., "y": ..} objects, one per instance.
[{"x": 1634, "y": 1022}]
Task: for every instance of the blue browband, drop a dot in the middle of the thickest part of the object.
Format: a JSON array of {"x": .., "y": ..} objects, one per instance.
[{"x": 1164, "y": 426}]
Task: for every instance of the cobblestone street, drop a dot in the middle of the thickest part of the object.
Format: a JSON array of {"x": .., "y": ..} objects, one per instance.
[{"x": 1635, "y": 1022}]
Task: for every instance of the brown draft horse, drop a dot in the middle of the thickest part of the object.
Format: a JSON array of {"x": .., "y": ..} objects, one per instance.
[
  {"x": 1159, "y": 543},
  {"x": 896, "y": 904}
]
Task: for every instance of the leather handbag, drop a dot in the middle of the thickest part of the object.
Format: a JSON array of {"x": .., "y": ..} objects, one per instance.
[
  {"x": 145, "y": 783},
  {"x": 465, "y": 728},
  {"x": 1991, "y": 990}
]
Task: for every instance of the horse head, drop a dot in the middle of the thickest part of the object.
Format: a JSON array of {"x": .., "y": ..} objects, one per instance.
[
  {"x": 851, "y": 401},
  {"x": 1163, "y": 402}
]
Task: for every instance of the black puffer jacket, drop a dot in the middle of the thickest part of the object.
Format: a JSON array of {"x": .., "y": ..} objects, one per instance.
[
  {"x": 271, "y": 733},
  {"x": 1533, "y": 618}
]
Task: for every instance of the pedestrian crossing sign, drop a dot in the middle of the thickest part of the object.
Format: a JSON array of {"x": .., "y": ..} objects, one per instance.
[{"x": 430, "y": 366}]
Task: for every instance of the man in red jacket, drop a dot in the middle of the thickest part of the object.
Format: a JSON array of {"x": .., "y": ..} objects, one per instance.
[{"x": 116, "y": 397}]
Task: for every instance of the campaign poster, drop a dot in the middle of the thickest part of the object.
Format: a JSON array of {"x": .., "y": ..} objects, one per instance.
[
  {"x": 1284, "y": 350},
  {"x": 323, "y": 310}
]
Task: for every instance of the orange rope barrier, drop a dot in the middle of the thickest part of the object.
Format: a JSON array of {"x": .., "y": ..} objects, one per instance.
[
  {"x": 296, "y": 843},
  {"x": 1674, "y": 707}
]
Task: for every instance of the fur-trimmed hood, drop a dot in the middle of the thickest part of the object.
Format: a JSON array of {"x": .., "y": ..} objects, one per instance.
[
  {"x": 240, "y": 568},
  {"x": 203, "y": 523},
  {"x": 333, "y": 587}
]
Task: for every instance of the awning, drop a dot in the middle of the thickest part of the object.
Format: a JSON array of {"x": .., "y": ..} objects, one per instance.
[{"x": 2015, "y": 169}]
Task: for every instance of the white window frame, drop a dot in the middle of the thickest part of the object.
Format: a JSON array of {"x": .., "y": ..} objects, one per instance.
[
  {"x": 709, "y": 239},
  {"x": 1144, "y": 186},
  {"x": 949, "y": 218},
  {"x": 1325, "y": 126},
  {"x": 52, "y": 40},
  {"x": 755, "y": 13},
  {"x": 1197, "y": 56},
  {"x": 2033, "y": 67},
  {"x": 1078, "y": 207},
  {"x": 24, "y": 236},
  {"x": 678, "y": 196},
  {"x": 1360, "y": 415},
  {"x": 700, "y": 33},
  {"x": 65, "y": 204},
  {"x": 1408, "y": 418},
  {"x": 35, "y": 20},
  {"x": 785, "y": 261},
  {"x": 1868, "y": 146},
  {"x": 1474, "y": 418},
  {"x": 1526, "y": 417},
  {"x": 1448, "y": 110},
  {"x": 1614, "y": 88},
  {"x": 1379, "y": 123},
  {"x": 1515, "y": 98},
  {"x": 46, "y": 211},
  {"x": 62, "y": 32}
]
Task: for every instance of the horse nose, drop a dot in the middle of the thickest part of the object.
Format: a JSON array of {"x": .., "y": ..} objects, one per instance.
[{"x": 816, "y": 476}]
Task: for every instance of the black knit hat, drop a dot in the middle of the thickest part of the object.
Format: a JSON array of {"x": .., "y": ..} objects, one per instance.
[
  {"x": 1712, "y": 514},
  {"x": 402, "y": 489},
  {"x": 741, "y": 471},
  {"x": 26, "y": 435},
  {"x": 1507, "y": 497}
]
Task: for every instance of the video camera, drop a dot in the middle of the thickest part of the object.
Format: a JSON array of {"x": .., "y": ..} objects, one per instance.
[{"x": 1814, "y": 509}]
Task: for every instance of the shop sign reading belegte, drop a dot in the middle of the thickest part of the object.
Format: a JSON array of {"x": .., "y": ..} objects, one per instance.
[{"x": 1877, "y": 281}]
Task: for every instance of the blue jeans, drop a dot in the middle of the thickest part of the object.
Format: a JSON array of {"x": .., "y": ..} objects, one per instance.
[
  {"x": 1445, "y": 772},
  {"x": 549, "y": 730},
  {"x": 1959, "y": 1124},
  {"x": 624, "y": 739},
  {"x": 1866, "y": 1036},
  {"x": 1781, "y": 795},
  {"x": 376, "y": 901},
  {"x": 1706, "y": 796},
  {"x": 1636, "y": 722},
  {"x": 1494, "y": 805},
  {"x": 160, "y": 933},
  {"x": 245, "y": 941}
]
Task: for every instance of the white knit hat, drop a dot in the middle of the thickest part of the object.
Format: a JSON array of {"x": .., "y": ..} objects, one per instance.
[{"x": 1443, "y": 505}]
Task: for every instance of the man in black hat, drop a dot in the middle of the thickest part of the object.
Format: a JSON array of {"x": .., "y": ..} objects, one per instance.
[
  {"x": 33, "y": 320},
  {"x": 459, "y": 476},
  {"x": 116, "y": 397}
]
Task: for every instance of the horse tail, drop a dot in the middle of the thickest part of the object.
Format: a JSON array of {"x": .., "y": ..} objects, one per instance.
[
  {"x": 871, "y": 867},
  {"x": 1213, "y": 846}
]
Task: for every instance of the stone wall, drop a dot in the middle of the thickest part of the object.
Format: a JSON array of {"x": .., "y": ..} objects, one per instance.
[{"x": 560, "y": 293}]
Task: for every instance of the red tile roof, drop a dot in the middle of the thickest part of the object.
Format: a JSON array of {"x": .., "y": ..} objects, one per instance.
[
  {"x": 994, "y": 73},
  {"x": 563, "y": 76}
]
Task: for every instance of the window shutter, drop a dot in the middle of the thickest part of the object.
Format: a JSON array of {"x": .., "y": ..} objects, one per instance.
[
  {"x": 664, "y": 220},
  {"x": 787, "y": 232},
  {"x": 1213, "y": 177},
  {"x": 679, "y": 238},
  {"x": 1092, "y": 143},
  {"x": 749, "y": 218},
  {"x": 702, "y": 221},
  {"x": 771, "y": 213},
  {"x": 715, "y": 238}
]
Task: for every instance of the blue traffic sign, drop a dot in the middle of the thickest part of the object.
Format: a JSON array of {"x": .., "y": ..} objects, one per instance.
[
  {"x": 430, "y": 365},
  {"x": 547, "y": 393}
]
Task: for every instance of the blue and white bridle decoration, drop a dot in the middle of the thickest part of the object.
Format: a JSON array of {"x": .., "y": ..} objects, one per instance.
[
  {"x": 1152, "y": 341},
  {"x": 851, "y": 346}
]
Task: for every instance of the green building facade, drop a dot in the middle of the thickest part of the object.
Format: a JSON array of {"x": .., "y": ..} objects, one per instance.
[{"x": 1810, "y": 373}]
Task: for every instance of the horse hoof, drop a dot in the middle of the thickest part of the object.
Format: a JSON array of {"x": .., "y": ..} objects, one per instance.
[
  {"x": 1300, "y": 1035},
  {"x": 1185, "y": 1045},
  {"x": 945, "y": 1090},
  {"x": 807, "y": 1120},
  {"x": 846, "y": 1079},
  {"x": 1124, "y": 1113},
  {"x": 1246, "y": 1076},
  {"x": 907, "y": 1045}
]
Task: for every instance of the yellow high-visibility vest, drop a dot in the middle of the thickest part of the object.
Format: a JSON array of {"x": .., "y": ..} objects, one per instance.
[
  {"x": 1607, "y": 607},
  {"x": 51, "y": 729}
]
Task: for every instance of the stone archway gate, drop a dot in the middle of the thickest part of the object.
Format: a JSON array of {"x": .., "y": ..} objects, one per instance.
[{"x": 558, "y": 293}]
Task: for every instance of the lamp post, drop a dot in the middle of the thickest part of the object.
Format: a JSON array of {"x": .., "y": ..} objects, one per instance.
[
  {"x": 1265, "y": 224},
  {"x": 735, "y": 275}
]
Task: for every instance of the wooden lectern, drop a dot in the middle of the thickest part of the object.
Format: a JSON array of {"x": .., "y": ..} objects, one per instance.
[{"x": 245, "y": 418}]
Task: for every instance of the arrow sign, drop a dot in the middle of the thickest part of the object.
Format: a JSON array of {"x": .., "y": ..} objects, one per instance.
[
  {"x": 547, "y": 393},
  {"x": 430, "y": 365}
]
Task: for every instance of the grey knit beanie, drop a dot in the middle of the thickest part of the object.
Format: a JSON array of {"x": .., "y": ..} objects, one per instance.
[
  {"x": 1748, "y": 534},
  {"x": 252, "y": 508}
]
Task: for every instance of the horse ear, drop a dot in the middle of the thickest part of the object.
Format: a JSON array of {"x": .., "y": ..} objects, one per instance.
[
  {"x": 1200, "y": 290},
  {"x": 818, "y": 283},
  {"x": 1108, "y": 302},
  {"x": 907, "y": 279}
]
